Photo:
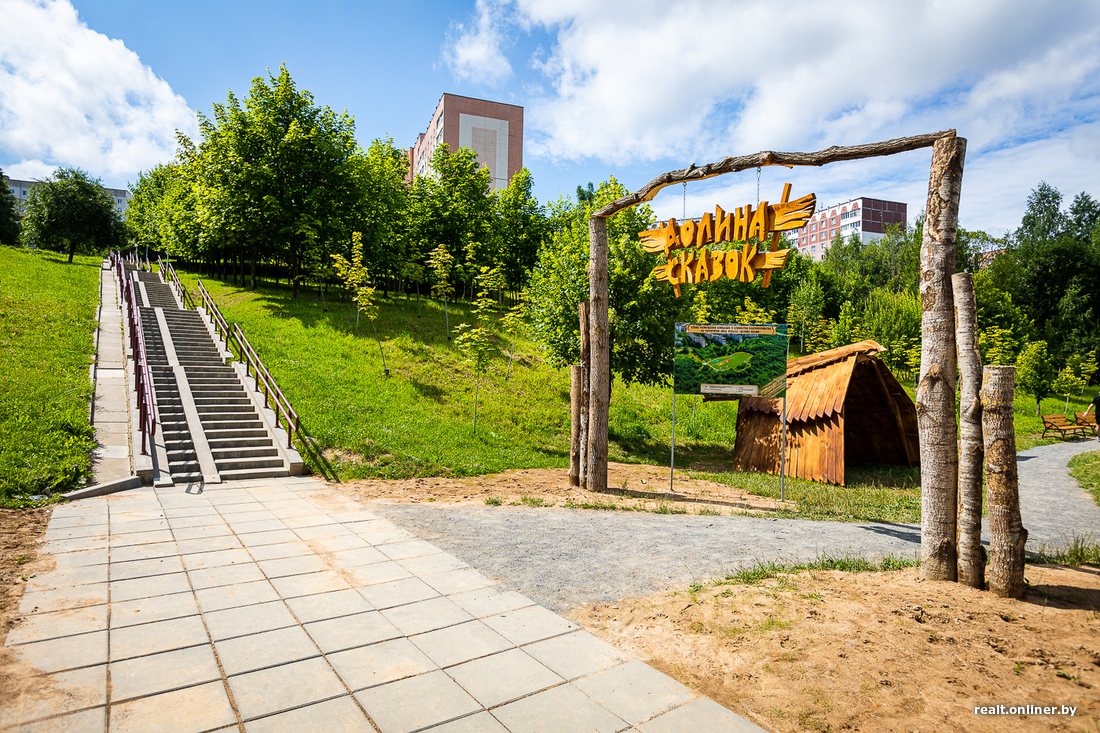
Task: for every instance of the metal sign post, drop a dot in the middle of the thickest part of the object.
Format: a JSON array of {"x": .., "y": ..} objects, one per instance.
[{"x": 672, "y": 460}]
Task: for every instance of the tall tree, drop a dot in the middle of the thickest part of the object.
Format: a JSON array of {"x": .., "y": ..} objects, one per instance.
[
  {"x": 9, "y": 214},
  {"x": 278, "y": 172},
  {"x": 70, "y": 210},
  {"x": 522, "y": 226},
  {"x": 1083, "y": 218}
]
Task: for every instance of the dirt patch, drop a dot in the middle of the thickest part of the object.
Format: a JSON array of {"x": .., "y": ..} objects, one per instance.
[
  {"x": 21, "y": 532},
  {"x": 631, "y": 486},
  {"x": 832, "y": 651}
]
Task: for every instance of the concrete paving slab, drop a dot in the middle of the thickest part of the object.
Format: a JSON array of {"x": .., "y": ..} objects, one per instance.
[
  {"x": 384, "y": 536},
  {"x": 417, "y": 618},
  {"x": 377, "y": 664},
  {"x": 156, "y": 673},
  {"x": 353, "y": 558},
  {"x": 137, "y": 525},
  {"x": 440, "y": 562},
  {"x": 409, "y": 548},
  {"x": 159, "y": 636},
  {"x": 457, "y": 581},
  {"x": 144, "y": 552},
  {"x": 280, "y": 550},
  {"x": 314, "y": 519},
  {"x": 320, "y": 531},
  {"x": 477, "y": 723},
  {"x": 196, "y": 520},
  {"x": 258, "y": 539},
  {"x": 526, "y": 625},
  {"x": 634, "y": 691},
  {"x": 141, "y": 538},
  {"x": 252, "y": 619},
  {"x": 72, "y": 690},
  {"x": 504, "y": 677},
  {"x": 341, "y": 715},
  {"x": 324, "y": 581},
  {"x": 322, "y": 606},
  {"x": 267, "y": 649},
  {"x": 292, "y": 566},
  {"x": 381, "y": 572},
  {"x": 284, "y": 687},
  {"x": 557, "y": 709},
  {"x": 146, "y": 568},
  {"x": 157, "y": 585},
  {"x": 81, "y": 558},
  {"x": 63, "y": 598},
  {"x": 348, "y": 632},
  {"x": 147, "y": 610},
  {"x": 222, "y": 597},
  {"x": 490, "y": 602},
  {"x": 461, "y": 643},
  {"x": 69, "y": 533},
  {"x": 699, "y": 714},
  {"x": 417, "y": 702},
  {"x": 68, "y": 622},
  {"x": 576, "y": 655},
  {"x": 215, "y": 559},
  {"x": 68, "y": 577},
  {"x": 93, "y": 720},
  {"x": 190, "y": 710},
  {"x": 225, "y": 575},
  {"x": 209, "y": 544},
  {"x": 338, "y": 544},
  {"x": 58, "y": 655},
  {"x": 262, "y": 525},
  {"x": 398, "y": 592}
]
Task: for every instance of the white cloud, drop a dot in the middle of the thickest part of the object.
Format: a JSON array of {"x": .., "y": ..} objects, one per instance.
[
  {"x": 475, "y": 53},
  {"x": 70, "y": 96}
]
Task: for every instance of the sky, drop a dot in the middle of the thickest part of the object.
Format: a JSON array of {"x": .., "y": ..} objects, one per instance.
[{"x": 625, "y": 89}]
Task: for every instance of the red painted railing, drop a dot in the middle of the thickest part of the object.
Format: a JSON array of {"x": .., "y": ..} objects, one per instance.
[
  {"x": 215, "y": 315},
  {"x": 147, "y": 419},
  {"x": 273, "y": 396}
]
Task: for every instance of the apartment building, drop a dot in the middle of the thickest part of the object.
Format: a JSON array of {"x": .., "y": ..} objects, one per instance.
[{"x": 863, "y": 216}]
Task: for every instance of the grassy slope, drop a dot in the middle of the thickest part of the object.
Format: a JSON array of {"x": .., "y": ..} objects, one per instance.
[
  {"x": 419, "y": 420},
  {"x": 47, "y": 320},
  {"x": 1085, "y": 467}
]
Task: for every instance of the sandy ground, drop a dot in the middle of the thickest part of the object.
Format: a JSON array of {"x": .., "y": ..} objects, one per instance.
[
  {"x": 21, "y": 532},
  {"x": 630, "y": 485},
  {"x": 830, "y": 651}
]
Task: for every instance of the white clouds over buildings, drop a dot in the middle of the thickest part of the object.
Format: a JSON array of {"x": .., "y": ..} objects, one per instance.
[
  {"x": 70, "y": 96},
  {"x": 692, "y": 81},
  {"x": 474, "y": 53}
]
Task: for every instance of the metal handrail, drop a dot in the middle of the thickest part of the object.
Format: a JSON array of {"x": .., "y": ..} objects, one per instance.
[
  {"x": 272, "y": 394},
  {"x": 147, "y": 420},
  {"x": 215, "y": 315},
  {"x": 173, "y": 279}
]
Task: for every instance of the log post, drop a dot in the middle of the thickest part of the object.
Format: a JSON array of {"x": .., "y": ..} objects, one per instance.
[
  {"x": 599, "y": 372},
  {"x": 936, "y": 389},
  {"x": 576, "y": 401},
  {"x": 971, "y": 553},
  {"x": 586, "y": 358},
  {"x": 1007, "y": 535}
]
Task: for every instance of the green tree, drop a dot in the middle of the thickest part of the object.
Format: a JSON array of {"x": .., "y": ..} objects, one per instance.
[
  {"x": 848, "y": 329},
  {"x": 9, "y": 214},
  {"x": 71, "y": 210},
  {"x": 1035, "y": 372},
  {"x": 275, "y": 175},
  {"x": 807, "y": 304},
  {"x": 750, "y": 312},
  {"x": 893, "y": 319},
  {"x": 522, "y": 227},
  {"x": 475, "y": 340},
  {"x": 441, "y": 263},
  {"x": 1067, "y": 384}
]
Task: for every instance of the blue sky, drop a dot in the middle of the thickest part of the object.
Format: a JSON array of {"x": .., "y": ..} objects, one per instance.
[{"x": 609, "y": 88}]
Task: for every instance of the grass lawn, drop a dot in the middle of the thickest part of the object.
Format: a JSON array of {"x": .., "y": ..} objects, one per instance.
[
  {"x": 1085, "y": 467},
  {"x": 47, "y": 321}
]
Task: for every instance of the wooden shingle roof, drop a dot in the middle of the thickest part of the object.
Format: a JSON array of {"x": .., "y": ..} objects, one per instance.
[{"x": 817, "y": 384}]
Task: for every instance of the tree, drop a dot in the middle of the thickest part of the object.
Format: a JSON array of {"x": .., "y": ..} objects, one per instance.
[
  {"x": 356, "y": 278},
  {"x": 475, "y": 341},
  {"x": 442, "y": 264},
  {"x": 71, "y": 210},
  {"x": 9, "y": 214},
  {"x": 1035, "y": 372},
  {"x": 893, "y": 320},
  {"x": 522, "y": 227},
  {"x": 807, "y": 304},
  {"x": 276, "y": 175}
]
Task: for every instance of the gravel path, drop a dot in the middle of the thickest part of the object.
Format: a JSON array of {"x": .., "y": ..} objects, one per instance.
[{"x": 562, "y": 558}]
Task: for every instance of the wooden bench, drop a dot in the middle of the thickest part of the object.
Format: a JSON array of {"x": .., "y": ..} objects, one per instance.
[
  {"x": 1089, "y": 420},
  {"x": 1065, "y": 427}
]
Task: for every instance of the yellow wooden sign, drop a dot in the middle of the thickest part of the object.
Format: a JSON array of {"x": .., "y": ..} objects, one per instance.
[{"x": 690, "y": 260}]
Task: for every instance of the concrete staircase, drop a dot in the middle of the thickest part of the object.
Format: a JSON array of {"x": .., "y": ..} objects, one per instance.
[{"x": 212, "y": 428}]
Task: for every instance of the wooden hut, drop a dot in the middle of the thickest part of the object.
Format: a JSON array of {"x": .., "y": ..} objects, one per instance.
[{"x": 843, "y": 404}]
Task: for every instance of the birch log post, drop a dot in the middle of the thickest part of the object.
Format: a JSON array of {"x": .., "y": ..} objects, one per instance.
[
  {"x": 599, "y": 372},
  {"x": 936, "y": 388},
  {"x": 576, "y": 402},
  {"x": 971, "y": 553},
  {"x": 1007, "y": 535},
  {"x": 586, "y": 355}
]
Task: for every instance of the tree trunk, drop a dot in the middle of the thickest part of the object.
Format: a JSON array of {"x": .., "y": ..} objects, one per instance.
[
  {"x": 72, "y": 251},
  {"x": 576, "y": 398},
  {"x": 971, "y": 553},
  {"x": 255, "y": 253},
  {"x": 1007, "y": 535},
  {"x": 936, "y": 390},
  {"x": 599, "y": 380},
  {"x": 295, "y": 275},
  {"x": 586, "y": 375}
]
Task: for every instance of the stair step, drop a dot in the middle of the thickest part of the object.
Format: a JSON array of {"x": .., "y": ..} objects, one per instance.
[
  {"x": 221, "y": 454},
  {"x": 241, "y": 433},
  {"x": 237, "y": 464},
  {"x": 257, "y": 441},
  {"x": 247, "y": 473}
]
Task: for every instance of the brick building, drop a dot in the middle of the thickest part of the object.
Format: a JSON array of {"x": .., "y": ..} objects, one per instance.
[
  {"x": 866, "y": 217},
  {"x": 493, "y": 130}
]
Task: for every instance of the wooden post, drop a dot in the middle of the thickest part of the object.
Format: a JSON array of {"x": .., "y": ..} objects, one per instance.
[
  {"x": 1007, "y": 535},
  {"x": 586, "y": 357},
  {"x": 599, "y": 372},
  {"x": 936, "y": 389},
  {"x": 576, "y": 401},
  {"x": 971, "y": 553}
]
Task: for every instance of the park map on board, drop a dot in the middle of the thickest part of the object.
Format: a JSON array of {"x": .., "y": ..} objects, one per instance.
[{"x": 730, "y": 359}]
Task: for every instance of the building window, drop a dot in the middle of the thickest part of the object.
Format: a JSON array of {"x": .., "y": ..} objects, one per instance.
[{"x": 833, "y": 222}]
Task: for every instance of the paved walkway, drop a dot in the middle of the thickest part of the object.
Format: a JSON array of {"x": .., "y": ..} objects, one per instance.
[
  {"x": 111, "y": 411},
  {"x": 274, "y": 605}
]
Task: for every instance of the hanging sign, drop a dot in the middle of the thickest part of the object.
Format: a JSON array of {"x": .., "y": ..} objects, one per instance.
[
  {"x": 730, "y": 359},
  {"x": 689, "y": 259}
]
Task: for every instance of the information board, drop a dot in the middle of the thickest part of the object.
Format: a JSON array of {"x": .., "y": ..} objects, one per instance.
[{"x": 730, "y": 359}]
